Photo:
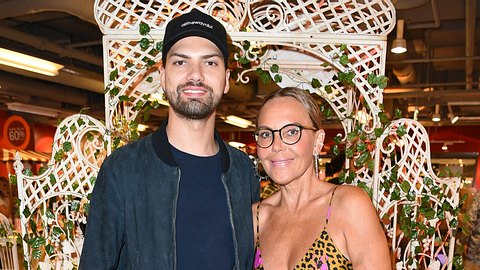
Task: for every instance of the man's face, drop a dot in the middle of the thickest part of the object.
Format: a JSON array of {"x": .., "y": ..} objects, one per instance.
[{"x": 194, "y": 77}]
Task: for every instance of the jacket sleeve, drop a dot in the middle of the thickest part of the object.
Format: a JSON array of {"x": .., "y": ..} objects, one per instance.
[
  {"x": 254, "y": 185},
  {"x": 104, "y": 236}
]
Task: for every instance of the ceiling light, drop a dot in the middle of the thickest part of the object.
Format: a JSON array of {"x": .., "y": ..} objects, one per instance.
[
  {"x": 237, "y": 121},
  {"x": 237, "y": 145},
  {"x": 436, "y": 116},
  {"x": 27, "y": 62},
  {"x": 453, "y": 118},
  {"x": 32, "y": 109},
  {"x": 444, "y": 147},
  {"x": 363, "y": 117},
  {"x": 142, "y": 127},
  {"x": 399, "y": 45}
]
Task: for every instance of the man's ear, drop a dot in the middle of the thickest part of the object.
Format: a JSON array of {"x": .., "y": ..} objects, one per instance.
[
  {"x": 161, "y": 70},
  {"x": 227, "y": 81},
  {"x": 319, "y": 139}
]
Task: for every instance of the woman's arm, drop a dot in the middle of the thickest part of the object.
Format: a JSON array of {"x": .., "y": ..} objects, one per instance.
[{"x": 366, "y": 242}]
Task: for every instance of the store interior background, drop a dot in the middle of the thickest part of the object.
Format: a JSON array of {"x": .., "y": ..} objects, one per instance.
[{"x": 439, "y": 74}]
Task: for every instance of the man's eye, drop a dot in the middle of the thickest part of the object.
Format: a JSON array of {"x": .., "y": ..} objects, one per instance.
[
  {"x": 211, "y": 63},
  {"x": 179, "y": 63}
]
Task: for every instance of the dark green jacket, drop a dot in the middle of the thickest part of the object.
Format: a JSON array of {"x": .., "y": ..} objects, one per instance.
[{"x": 131, "y": 222}]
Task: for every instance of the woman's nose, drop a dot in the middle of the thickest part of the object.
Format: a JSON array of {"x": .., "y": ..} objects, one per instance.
[{"x": 277, "y": 144}]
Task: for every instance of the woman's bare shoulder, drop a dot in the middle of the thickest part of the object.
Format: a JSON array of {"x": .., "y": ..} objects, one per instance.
[{"x": 352, "y": 199}]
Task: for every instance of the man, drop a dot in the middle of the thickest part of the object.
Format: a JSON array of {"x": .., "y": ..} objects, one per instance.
[{"x": 179, "y": 198}]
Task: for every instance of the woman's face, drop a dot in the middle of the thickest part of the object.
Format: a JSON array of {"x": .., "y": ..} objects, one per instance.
[{"x": 282, "y": 162}]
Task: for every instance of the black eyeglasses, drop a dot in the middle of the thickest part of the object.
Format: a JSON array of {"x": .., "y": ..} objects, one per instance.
[{"x": 289, "y": 134}]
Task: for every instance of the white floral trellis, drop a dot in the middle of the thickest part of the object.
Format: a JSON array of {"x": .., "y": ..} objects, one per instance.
[
  {"x": 54, "y": 200},
  {"x": 299, "y": 37}
]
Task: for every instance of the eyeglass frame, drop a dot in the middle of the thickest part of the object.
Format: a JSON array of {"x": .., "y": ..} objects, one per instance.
[{"x": 301, "y": 127}]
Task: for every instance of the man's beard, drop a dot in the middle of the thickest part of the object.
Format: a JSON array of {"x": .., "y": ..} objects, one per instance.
[{"x": 193, "y": 108}]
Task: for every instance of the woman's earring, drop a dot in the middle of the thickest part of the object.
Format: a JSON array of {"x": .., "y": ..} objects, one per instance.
[{"x": 315, "y": 161}]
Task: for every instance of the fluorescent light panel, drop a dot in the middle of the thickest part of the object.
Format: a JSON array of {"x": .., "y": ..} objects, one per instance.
[
  {"x": 237, "y": 121},
  {"x": 27, "y": 62},
  {"x": 32, "y": 109},
  {"x": 237, "y": 145}
]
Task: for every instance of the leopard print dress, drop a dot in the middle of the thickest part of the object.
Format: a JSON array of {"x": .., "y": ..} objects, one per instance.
[{"x": 322, "y": 255}]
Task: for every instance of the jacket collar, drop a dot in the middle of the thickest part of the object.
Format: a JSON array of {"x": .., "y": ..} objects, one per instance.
[{"x": 161, "y": 145}]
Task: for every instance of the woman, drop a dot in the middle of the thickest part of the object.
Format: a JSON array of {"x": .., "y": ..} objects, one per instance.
[{"x": 309, "y": 223}]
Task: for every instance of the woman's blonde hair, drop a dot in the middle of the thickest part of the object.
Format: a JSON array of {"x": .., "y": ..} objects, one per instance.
[{"x": 302, "y": 96}]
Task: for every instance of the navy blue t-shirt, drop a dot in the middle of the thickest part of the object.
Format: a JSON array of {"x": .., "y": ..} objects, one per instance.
[{"x": 203, "y": 228}]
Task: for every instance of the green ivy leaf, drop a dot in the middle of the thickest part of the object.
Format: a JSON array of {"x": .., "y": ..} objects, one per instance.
[
  {"x": 383, "y": 117},
  {"x": 454, "y": 223},
  {"x": 243, "y": 60},
  {"x": 113, "y": 75},
  {"x": 315, "y": 83},
  {"x": 144, "y": 43},
  {"x": 246, "y": 45},
  {"x": 49, "y": 249},
  {"x": 395, "y": 195},
  {"x": 57, "y": 231},
  {"x": 159, "y": 46},
  {"x": 36, "y": 254},
  {"x": 53, "y": 180},
  {"x": 382, "y": 81},
  {"x": 274, "y": 68},
  {"x": 149, "y": 79},
  {"x": 328, "y": 89},
  {"x": 277, "y": 78},
  {"x": 362, "y": 159},
  {"x": 349, "y": 152},
  {"x": 335, "y": 150},
  {"x": 405, "y": 186},
  {"x": 344, "y": 60},
  {"x": 38, "y": 241},
  {"x": 361, "y": 146},
  {"x": 398, "y": 113},
  {"x": 124, "y": 98},
  {"x": 401, "y": 131},
  {"x": 351, "y": 136},
  {"x": 337, "y": 139},
  {"x": 114, "y": 91},
  {"x": 49, "y": 214},
  {"x": 67, "y": 146},
  {"x": 58, "y": 155},
  {"x": 429, "y": 213},
  {"x": 75, "y": 206},
  {"x": 371, "y": 79},
  {"x": 144, "y": 29},
  {"x": 26, "y": 212},
  {"x": 378, "y": 132},
  {"x": 263, "y": 75}
]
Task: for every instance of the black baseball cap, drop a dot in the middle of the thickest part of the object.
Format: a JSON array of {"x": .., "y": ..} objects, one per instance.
[{"x": 195, "y": 23}]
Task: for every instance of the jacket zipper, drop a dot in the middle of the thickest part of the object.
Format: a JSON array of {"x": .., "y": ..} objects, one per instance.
[
  {"x": 234, "y": 236},
  {"x": 174, "y": 223}
]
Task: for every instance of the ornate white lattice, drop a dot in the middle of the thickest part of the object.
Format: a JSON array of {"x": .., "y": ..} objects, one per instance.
[
  {"x": 298, "y": 36},
  {"x": 52, "y": 203},
  {"x": 408, "y": 189}
]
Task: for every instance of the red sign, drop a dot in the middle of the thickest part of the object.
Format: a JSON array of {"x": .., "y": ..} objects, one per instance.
[{"x": 17, "y": 132}]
